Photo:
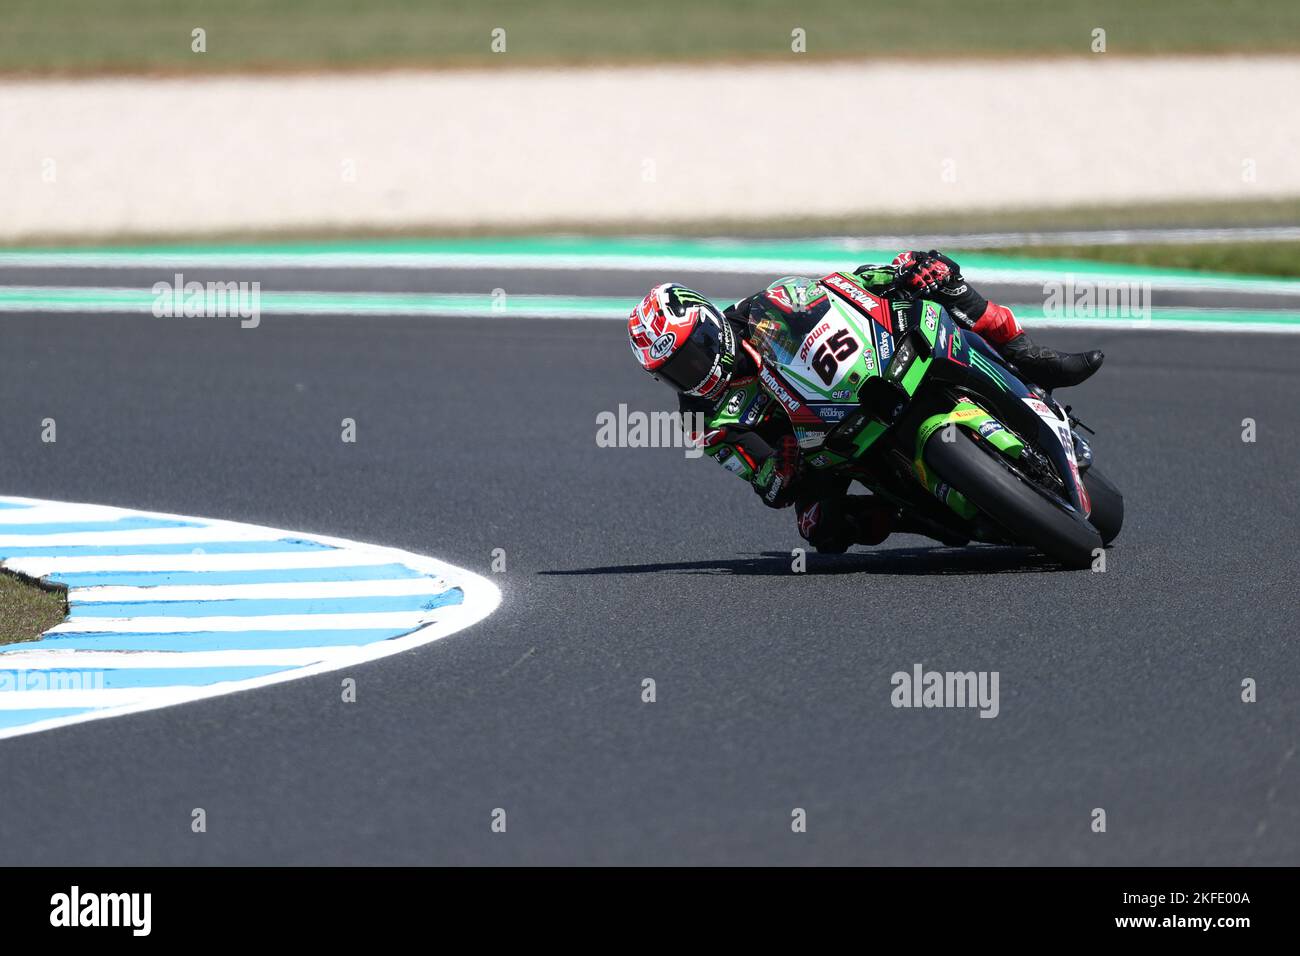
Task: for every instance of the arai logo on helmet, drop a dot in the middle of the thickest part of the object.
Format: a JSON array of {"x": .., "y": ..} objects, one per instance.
[{"x": 663, "y": 345}]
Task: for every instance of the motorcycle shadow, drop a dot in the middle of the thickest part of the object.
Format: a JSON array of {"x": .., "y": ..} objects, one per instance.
[{"x": 982, "y": 559}]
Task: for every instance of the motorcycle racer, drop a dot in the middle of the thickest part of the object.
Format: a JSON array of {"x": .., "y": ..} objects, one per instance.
[{"x": 705, "y": 354}]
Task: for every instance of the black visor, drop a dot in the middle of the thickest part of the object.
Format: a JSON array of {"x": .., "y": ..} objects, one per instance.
[{"x": 694, "y": 360}]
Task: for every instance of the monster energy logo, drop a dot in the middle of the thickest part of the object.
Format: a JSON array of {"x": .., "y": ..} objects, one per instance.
[
  {"x": 728, "y": 357},
  {"x": 989, "y": 369},
  {"x": 690, "y": 295}
]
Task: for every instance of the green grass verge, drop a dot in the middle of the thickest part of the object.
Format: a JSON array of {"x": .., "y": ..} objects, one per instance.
[
  {"x": 1243, "y": 258},
  {"x": 1265, "y": 212},
  {"x": 1277, "y": 212},
  {"x": 136, "y": 35},
  {"x": 27, "y": 609}
]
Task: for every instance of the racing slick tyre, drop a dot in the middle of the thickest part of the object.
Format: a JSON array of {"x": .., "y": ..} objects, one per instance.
[
  {"x": 1027, "y": 514},
  {"x": 1107, "y": 505}
]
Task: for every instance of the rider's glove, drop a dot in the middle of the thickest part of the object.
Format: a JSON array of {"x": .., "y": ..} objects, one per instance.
[
  {"x": 935, "y": 275},
  {"x": 927, "y": 272},
  {"x": 775, "y": 479}
]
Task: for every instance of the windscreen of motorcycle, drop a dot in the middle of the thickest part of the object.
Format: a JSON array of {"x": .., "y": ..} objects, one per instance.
[{"x": 825, "y": 355}]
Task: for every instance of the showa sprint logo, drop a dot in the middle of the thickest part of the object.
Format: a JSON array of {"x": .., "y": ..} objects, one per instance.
[
  {"x": 75, "y": 908},
  {"x": 1084, "y": 299},
  {"x": 638, "y": 429},
  {"x": 923, "y": 688},
  {"x": 210, "y": 300}
]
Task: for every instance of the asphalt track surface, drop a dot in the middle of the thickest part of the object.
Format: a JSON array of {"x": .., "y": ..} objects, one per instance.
[{"x": 1119, "y": 690}]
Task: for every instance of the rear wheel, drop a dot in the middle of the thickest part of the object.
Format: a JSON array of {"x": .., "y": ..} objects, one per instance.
[
  {"x": 1107, "y": 504},
  {"x": 992, "y": 486}
]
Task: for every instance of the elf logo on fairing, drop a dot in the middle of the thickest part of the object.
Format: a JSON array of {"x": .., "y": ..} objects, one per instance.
[
  {"x": 852, "y": 292},
  {"x": 755, "y": 409},
  {"x": 779, "y": 390},
  {"x": 75, "y": 908}
]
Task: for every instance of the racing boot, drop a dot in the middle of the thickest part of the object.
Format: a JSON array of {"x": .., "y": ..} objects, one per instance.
[
  {"x": 934, "y": 274},
  {"x": 1048, "y": 367},
  {"x": 1041, "y": 366}
]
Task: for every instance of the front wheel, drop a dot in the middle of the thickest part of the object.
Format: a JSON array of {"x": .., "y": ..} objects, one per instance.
[{"x": 978, "y": 472}]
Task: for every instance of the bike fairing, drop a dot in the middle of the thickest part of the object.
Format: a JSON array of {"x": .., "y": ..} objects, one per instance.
[{"x": 789, "y": 317}]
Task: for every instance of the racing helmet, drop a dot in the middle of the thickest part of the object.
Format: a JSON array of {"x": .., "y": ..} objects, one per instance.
[{"x": 682, "y": 338}]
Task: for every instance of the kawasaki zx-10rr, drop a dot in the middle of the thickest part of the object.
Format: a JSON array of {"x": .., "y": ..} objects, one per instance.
[{"x": 893, "y": 393}]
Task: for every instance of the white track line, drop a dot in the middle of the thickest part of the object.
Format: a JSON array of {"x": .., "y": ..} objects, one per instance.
[
  {"x": 38, "y": 515},
  {"x": 250, "y": 561},
  {"x": 144, "y": 536},
  {"x": 395, "y": 620},
  {"x": 394, "y": 587},
  {"x": 21, "y": 660},
  {"x": 96, "y": 697}
]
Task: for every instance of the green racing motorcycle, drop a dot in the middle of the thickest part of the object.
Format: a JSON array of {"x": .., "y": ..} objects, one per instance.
[{"x": 892, "y": 392}]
